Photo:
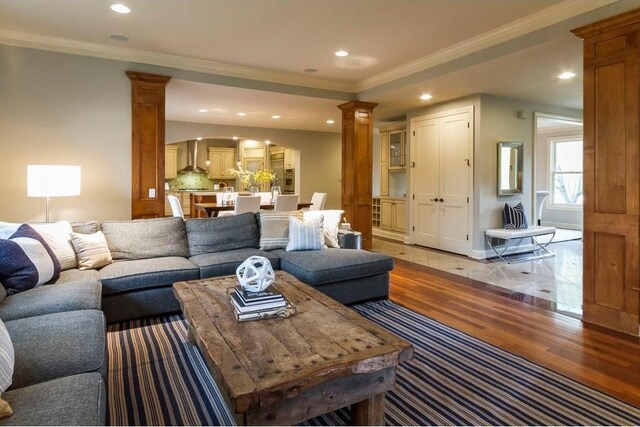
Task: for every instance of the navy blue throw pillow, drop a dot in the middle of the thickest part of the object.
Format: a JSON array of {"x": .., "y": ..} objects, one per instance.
[
  {"x": 26, "y": 261},
  {"x": 514, "y": 217}
]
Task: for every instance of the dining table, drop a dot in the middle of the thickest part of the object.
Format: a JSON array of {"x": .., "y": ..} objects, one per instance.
[{"x": 213, "y": 209}]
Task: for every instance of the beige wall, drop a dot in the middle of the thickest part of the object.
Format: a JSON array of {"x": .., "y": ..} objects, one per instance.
[
  {"x": 64, "y": 109},
  {"x": 320, "y": 152}
]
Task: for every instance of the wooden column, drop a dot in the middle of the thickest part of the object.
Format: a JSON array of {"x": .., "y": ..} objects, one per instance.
[
  {"x": 147, "y": 144},
  {"x": 611, "y": 172},
  {"x": 357, "y": 148}
]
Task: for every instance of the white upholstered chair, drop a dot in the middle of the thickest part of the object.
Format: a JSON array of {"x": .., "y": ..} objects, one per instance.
[
  {"x": 176, "y": 209},
  {"x": 318, "y": 200},
  {"x": 246, "y": 204},
  {"x": 287, "y": 202}
]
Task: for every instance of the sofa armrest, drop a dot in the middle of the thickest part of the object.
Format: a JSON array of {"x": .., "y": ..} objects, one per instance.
[{"x": 350, "y": 239}]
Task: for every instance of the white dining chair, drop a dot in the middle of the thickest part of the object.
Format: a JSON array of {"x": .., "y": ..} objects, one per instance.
[
  {"x": 246, "y": 204},
  {"x": 287, "y": 202},
  {"x": 176, "y": 209},
  {"x": 318, "y": 200}
]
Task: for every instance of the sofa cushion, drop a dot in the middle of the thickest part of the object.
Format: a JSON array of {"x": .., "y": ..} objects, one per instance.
[
  {"x": 124, "y": 276},
  {"x": 146, "y": 238},
  {"x": 225, "y": 263},
  {"x": 52, "y": 299},
  {"x": 70, "y": 401},
  {"x": 3, "y": 292},
  {"x": 332, "y": 265},
  {"x": 57, "y": 345},
  {"x": 222, "y": 234},
  {"x": 77, "y": 275},
  {"x": 26, "y": 261},
  {"x": 87, "y": 227}
]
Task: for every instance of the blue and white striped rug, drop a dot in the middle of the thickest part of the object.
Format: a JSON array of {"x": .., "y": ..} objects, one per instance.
[{"x": 156, "y": 377}]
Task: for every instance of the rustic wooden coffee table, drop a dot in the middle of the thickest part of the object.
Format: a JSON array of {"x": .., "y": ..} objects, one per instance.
[{"x": 283, "y": 371}]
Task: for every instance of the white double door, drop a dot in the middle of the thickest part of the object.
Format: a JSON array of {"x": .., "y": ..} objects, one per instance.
[{"x": 441, "y": 149}]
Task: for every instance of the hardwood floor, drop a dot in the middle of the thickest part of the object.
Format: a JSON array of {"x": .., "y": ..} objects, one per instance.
[{"x": 607, "y": 361}]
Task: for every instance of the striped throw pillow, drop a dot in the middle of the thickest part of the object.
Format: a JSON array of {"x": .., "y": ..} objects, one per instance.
[
  {"x": 7, "y": 362},
  {"x": 26, "y": 261},
  {"x": 274, "y": 229},
  {"x": 92, "y": 250},
  {"x": 514, "y": 217},
  {"x": 305, "y": 235}
]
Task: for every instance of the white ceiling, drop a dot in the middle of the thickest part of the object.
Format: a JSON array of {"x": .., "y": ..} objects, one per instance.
[
  {"x": 281, "y": 35},
  {"x": 272, "y": 41}
]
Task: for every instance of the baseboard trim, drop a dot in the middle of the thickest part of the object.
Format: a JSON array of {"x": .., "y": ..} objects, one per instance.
[
  {"x": 565, "y": 225},
  {"x": 391, "y": 235}
]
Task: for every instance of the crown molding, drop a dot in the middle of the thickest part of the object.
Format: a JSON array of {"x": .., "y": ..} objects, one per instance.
[
  {"x": 62, "y": 45},
  {"x": 528, "y": 24}
]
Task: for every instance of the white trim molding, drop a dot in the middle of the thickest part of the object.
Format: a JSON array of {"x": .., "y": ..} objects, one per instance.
[{"x": 62, "y": 45}]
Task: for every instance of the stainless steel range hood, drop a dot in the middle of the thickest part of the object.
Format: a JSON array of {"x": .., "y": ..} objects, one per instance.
[{"x": 192, "y": 153}]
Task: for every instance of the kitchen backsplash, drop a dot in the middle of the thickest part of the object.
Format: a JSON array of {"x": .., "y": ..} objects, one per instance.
[{"x": 190, "y": 181}]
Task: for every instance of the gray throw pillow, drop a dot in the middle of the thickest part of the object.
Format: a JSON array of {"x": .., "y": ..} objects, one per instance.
[
  {"x": 208, "y": 235},
  {"x": 146, "y": 238}
]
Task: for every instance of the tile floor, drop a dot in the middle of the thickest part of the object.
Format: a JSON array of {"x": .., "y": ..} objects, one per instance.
[{"x": 557, "y": 279}]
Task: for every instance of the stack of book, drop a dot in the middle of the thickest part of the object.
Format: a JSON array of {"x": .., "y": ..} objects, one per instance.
[{"x": 257, "y": 305}]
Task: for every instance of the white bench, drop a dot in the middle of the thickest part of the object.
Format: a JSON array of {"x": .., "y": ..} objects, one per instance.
[{"x": 520, "y": 233}]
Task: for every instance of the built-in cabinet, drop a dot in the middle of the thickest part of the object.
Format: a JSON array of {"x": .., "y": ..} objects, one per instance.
[
  {"x": 389, "y": 214},
  {"x": 220, "y": 161},
  {"x": 611, "y": 270},
  {"x": 392, "y": 156},
  {"x": 441, "y": 149},
  {"x": 170, "y": 161},
  {"x": 253, "y": 159}
]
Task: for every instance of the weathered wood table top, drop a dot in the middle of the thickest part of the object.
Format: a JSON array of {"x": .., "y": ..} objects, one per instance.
[{"x": 283, "y": 371}]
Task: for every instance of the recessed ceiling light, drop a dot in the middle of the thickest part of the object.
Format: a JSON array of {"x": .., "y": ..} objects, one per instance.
[
  {"x": 566, "y": 75},
  {"x": 275, "y": 116},
  {"x": 203, "y": 110},
  {"x": 426, "y": 96},
  {"x": 199, "y": 138},
  {"x": 330, "y": 122},
  {"x": 119, "y": 8},
  {"x": 266, "y": 141},
  {"x": 310, "y": 70},
  {"x": 241, "y": 114},
  {"x": 235, "y": 138},
  {"x": 342, "y": 53},
  {"x": 119, "y": 37}
]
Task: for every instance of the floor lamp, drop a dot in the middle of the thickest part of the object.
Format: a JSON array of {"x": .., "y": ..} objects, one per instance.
[{"x": 52, "y": 181}]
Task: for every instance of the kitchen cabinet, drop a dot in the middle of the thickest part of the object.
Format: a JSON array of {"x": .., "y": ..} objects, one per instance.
[
  {"x": 170, "y": 161},
  {"x": 289, "y": 158},
  {"x": 384, "y": 164},
  {"x": 397, "y": 150},
  {"x": 220, "y": 161},
  {"x": 389, "y": 214}
]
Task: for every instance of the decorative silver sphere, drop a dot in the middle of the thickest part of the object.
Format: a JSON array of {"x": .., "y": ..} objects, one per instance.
[{"x": 255, "y": 274}]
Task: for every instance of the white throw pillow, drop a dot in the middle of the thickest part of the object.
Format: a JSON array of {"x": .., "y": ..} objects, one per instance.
[
  {"x": 7, "y": 362},
  {"x": 56, "y": 234},
  {"x": 92, "y": 249},
  {"x": 58, "y": 237},
  {"x": 305, "y": 235},
  {"x": 331, "y": 224}
]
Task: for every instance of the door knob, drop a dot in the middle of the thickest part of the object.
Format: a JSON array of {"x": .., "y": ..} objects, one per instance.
[
  {"x": 441, "y": 200},
  {"x": 434, "y": 200}
]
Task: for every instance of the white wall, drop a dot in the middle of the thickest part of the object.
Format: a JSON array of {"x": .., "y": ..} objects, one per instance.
[
  {"x": 320, "y": 152},
  {"x": 64, "y": 109}
]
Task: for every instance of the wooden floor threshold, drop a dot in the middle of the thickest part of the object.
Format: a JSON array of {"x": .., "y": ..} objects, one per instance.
[{"x": 603, "y": 359}]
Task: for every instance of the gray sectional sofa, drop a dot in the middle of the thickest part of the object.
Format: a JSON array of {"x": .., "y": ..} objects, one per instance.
[{"x": 58, "y": 330}]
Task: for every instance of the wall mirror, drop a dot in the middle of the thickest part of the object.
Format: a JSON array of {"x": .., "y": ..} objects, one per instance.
[{"x": 510, "y": 163}]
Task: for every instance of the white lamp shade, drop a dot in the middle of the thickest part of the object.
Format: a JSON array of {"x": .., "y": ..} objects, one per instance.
[{"x": 53, "y": 181}]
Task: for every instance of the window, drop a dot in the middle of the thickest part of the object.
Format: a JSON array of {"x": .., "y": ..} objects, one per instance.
[{"x": 566, "y": 173}]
